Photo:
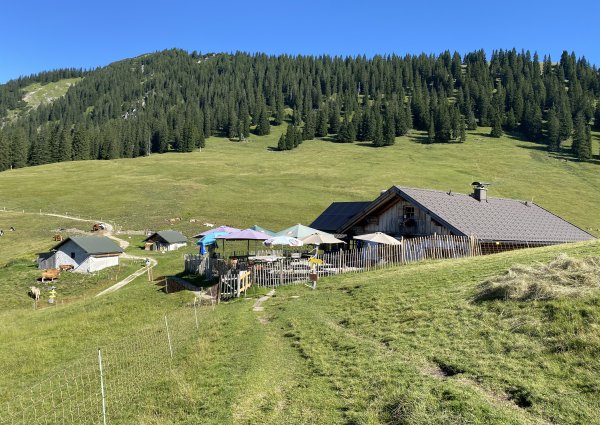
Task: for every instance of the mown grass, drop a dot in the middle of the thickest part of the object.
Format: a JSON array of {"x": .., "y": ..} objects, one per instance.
[{"x": 244, "y": 183}]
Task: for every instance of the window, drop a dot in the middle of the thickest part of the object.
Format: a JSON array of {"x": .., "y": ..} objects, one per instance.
[
  {"x": 73, "y": 255},
  {"x": 408, "y": 212}
]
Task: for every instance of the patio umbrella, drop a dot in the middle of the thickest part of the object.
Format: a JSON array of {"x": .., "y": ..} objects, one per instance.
[
  {"x": 321, "y": 238},
  {"x": 283, "y": 240},
  {"x": 210, "y": 238},
  {"x": 245, "y": 235},
  {"x": 226, "y": 229},
  {"x": 378, "y": 237},
  {"x": 262, "y": 229},
  {"x": 299, "y": 231}
]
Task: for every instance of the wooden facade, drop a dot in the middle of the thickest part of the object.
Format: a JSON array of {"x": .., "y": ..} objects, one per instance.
[{"x": 399, "y": 217}]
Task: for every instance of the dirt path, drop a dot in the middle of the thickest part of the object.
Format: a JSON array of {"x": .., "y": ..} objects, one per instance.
[{"x": 258, "y": 304}]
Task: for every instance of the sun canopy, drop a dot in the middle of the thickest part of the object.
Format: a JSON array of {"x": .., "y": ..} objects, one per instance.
[
  {"x": 211, "y": 238},
  {"x": 226, "y": 229},
  {"x": 378, "y": 237},
  {"x": 262, "y": 229},
  {"x": 299, "y": 231},
  {"x": 245, "y": 235},
  {"x": 283, "y": 240},
  {"x": 320, "y": 239}
]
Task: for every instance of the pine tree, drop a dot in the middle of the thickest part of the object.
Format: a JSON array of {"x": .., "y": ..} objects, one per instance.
[
  {"x": 263, "y": 127},
  {"x": 582, "y": 142},
  {"x": 462, "y": 136},
  {"x": 553, "y": 131},
  {"x": 19, "y": 148},
  {"x": 471, "y": 120},
  {"x": 496, "y": 125},
  {"x": 80, "y": 143},
  {"x": 290, "y": 137},
  {"x": 378, "y": 138},
  {"x": 334, "y": 119},
  {"x": 347, "y": 133},
  {"x": 389, "y": 127},
  {"x": 597, "y": 116},
  {"x": 431, "y": 133},
  {"x": 281, "y": 145},
  {"x": 443, "y": 125},
  {"x": 4, "y": 153},
  {"x": 308, "y": 132},
  {"x": 322, "y": 122}
]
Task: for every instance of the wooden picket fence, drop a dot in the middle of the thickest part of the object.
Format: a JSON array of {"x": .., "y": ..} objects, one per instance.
[{"x": 235, "y": 278}]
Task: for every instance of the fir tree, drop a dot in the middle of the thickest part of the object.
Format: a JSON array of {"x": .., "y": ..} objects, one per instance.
[
  {"x": 496, "y": 125},
  {"x": 308, "y": 132},
  {"x": 389, "y": 127},
  {"x": 378, "y": 138},
  {"x": 281, "y": 145},
  {"x": 347, "y": 133},
  {"x": 582, "y": 143},
  {"x": 80, "y": 143},
  {"x": 431, "y": 132},
  {"x": 322, "y": 122},
  {"x": 19, "y": 148},
  {"x": 263, "y": 127},
  {"x": 553, "y": 131}
]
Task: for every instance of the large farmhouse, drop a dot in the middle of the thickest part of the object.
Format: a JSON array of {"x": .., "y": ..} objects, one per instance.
[
  {"x": 85, "y": 253},
  {"x": 165, "y": 240},
  {"x": 409, "y": 212}
]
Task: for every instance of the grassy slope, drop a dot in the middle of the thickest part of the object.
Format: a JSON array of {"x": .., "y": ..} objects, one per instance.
[
  {"x": 362, "y": 348},
  {"x": 37, "y": 94},
  {"x": 241, "y": 184},
  {"x": 366, "y": 348}
]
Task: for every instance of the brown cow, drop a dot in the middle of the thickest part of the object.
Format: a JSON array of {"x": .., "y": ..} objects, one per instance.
[{"x": 50, "y": 274}]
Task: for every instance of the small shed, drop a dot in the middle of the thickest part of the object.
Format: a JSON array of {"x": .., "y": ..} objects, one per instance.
[
  {"x": 165, "y": 240},
  {"x": 86, "y": 254}
]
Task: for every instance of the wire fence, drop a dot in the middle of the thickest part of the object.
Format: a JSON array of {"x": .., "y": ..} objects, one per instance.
[{"x": 106, "y": 384}]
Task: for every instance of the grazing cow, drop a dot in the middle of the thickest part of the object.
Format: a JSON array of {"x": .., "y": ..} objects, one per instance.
[
  {"x": 34, "y": 292},
  {"x": 1, "y": 232},
  {"x": 12, "y": 229},
  {"x": 209, "y": 224},
  {"x": 50, "y": 274}
]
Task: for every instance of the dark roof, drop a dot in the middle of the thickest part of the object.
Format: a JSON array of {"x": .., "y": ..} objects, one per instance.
[
  {"x": 169, "y": 236},
  {"x": 93, "y": 244},
  {"x": 498, "y": 219},
  {"x": 337, "y": 214}
]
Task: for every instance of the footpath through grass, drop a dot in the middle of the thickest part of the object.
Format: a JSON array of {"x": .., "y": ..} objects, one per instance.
[{"x": 404, "y": 345}]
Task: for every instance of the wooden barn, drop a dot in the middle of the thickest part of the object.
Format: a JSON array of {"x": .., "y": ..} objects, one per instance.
[
  {"x": 165, "y": 240},
  {"x": 85, "y": 254},
  {"x": 410, "y": 212}
]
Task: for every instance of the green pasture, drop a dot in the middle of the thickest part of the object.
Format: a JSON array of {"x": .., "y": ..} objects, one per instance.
[{"x": 246, "y": 183}]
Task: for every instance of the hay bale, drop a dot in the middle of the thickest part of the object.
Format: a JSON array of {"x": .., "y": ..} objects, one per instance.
[{"x": 563, "y": 277}]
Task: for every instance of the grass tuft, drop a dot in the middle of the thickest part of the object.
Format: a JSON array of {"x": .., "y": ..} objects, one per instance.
[{"x": 563, "y": 277}]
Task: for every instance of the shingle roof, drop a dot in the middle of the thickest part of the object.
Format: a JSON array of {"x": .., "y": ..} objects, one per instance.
[
  {"x": 498, "y": 219},
  {"x": 337, "y": 214},
  {"x": 93, "y": 244},
  {"x": 169, "y": 236}
]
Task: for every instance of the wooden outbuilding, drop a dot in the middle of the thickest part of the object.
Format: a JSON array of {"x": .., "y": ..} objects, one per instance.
[{"x": 165, "y": 240}]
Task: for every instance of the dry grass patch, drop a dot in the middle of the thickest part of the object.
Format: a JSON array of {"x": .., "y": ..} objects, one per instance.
[{"x": 563, "y": 277}]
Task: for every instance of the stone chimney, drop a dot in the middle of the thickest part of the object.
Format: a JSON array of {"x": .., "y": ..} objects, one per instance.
[{"x": 480, "y": 191}]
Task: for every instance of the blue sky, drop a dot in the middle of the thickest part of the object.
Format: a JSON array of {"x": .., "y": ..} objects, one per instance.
[{"x": 41, "y": 35}]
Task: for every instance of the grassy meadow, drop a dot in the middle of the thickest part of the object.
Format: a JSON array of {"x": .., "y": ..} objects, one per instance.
[
  {"x": 403, "y": 345},
  {"x": 245, "y": 183}
]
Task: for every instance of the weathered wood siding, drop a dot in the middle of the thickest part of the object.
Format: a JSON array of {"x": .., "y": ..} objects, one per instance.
[
  {"x": 390, "y": 221},
  {"x": 72, "y": 254}
]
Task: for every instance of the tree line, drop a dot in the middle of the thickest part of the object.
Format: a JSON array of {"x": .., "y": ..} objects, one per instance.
[{"x": 172, "y": 100}]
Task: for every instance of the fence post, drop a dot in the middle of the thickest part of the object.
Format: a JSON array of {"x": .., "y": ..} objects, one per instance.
[
  {"x": 169, "y": 338},
  {"x": 102, "y": 386},
  {"x": 195, "y": 312}
]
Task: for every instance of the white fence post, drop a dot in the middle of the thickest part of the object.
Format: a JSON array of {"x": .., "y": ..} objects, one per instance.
[
  {"x": 169, "y": 338},
  {"x": 102, "y": 386}
]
